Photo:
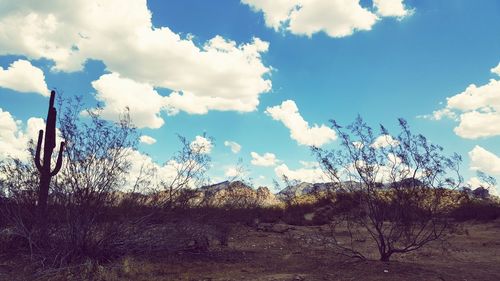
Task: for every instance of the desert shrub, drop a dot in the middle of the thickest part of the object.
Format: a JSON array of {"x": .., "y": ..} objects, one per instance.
[
  {"x": 94, "y": 167},
  {"x": 476, "y": 210},
  {"x": 294, "y": 214},
  {"x": 397, "y": 187},
  {"x": 346, "y": 202}
]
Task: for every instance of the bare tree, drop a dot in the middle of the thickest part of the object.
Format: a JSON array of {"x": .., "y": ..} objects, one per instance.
[
  {"x": 400, "y": 188},
  {"x": 79, "y": 196},
  {"x": 189, "y": 167},
  {"x": 92, "y": 175}
]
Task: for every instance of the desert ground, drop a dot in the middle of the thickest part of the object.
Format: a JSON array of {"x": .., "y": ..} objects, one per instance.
[{"x": 286, "y": 252}]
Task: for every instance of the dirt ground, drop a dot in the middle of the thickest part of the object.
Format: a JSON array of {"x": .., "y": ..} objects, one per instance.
[{"x": 302, "y": 253}]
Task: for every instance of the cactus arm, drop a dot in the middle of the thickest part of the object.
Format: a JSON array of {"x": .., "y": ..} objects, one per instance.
[
  {"x": 58, "y": 166},
  {"x": 38, "y": 150}
]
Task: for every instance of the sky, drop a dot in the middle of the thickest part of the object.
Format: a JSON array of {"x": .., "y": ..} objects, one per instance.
[{"x": 261, "y": 78}]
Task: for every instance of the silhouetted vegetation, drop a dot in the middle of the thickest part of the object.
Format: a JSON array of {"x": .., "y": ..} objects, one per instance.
[
  {"x": 402, "y": 184},
  {"x": 402, "y": 194},
  {"x": 43, "y": 167}
]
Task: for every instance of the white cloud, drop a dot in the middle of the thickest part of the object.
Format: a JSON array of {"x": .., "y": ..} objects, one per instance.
[
  {"x": 23, "y": 77},
  {"x": 358, "y": 144},
  {"x": 118, "y": 93},
  {"x": 311, "y": 175},
  {"x": 390, "y": 170},
  {"x": 309, "y": 164},
  {"x": 10, "y": 146},
  {"x": 384, "y": 141},
  {"x": 235, "y": 147},
  {"x": 337, "y": 18},
  {"x": 265, "y": 160},
  {"x": 484, "y": 160},
  {"x": 391, "y": 8},
  {"x": 276, "y": 13},
  {"x": 147, "y": 140},
  {"x": 475, "y": 182},
  {"x": 440, "y": 114},
  {"x": 496, "y": 70},
  {"x": 484, "y": 98},
  {"x": 14, "y": 139},
  {"x": 142, "y": 164},
  {"x": 477, "y": 109},
  {"x": 139, "y": 165},
  {"x": 288, "y": 113},
  {"x": 218, "y": 75},
  {"x": 475, "y": 124},
  {"x": 201, "y": 145},
  {"x": 232, "y": 172}
]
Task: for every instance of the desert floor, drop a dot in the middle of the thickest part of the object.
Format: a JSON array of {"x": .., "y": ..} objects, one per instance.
[{"x": 300, "y": 253}]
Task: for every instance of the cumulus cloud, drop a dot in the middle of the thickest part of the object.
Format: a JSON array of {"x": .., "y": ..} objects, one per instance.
[
  {"x": 141, "y": 164},
  {"x": 484, "y": 160},
  {"x": 166, "y": 173},
  {"x": 309, "y": 164},
  {"x": 276, "y": 13},
  {"x": 496, "y": 70},
  {"x": 391, "y": 8},
  {"x": 118, "y": 93},
  {"x": 384, "y": 141},
  {"x": 477, "y": 109},
  {"x": 23, "y": 77},
  {"x": 289, "y": 115},
  {"x": 304, "y": 174},
  {"x": 219, "y": 74},
  {"x": 232, "y": 172},
  {"x": 147, "y": 140},
  {"x": 440, "y": 114},
  {"x": 201, "y": 145},
  {"x": 476, "y": 124},
  {"x": 14, "y": 137},
  {"x": 336, "y": 18},
  {"x": 265, "y": 160},
  {"x": 234, "y": 146}
]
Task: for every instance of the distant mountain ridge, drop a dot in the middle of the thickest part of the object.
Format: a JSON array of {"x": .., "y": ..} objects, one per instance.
[
  {"x": 236, "y": 194},
  {"x": 305, "y": 188}
]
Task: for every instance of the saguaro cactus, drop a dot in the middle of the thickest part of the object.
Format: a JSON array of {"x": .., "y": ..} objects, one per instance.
[{"x": 44, "y": 166}]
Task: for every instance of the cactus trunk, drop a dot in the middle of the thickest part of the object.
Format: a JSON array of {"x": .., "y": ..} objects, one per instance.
[{"x": 44, "y": 166}]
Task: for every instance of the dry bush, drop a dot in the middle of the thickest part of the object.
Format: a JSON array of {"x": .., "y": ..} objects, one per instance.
[
  {"x": 93, "y": 170},
  {"x": 400, "y": 186},
  {"x": 191, "y": 164},
  {"x": 89, "y": 215},
  {"x": 480, "y": 210}
]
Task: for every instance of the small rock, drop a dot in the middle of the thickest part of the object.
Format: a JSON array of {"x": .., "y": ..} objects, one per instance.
[
  {"x": 280, "y": 228},
  {"x": 309, "y": 216}
]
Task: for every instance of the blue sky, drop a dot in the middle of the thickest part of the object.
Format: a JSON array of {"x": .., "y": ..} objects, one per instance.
[{"x": 270, "y": 68}]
